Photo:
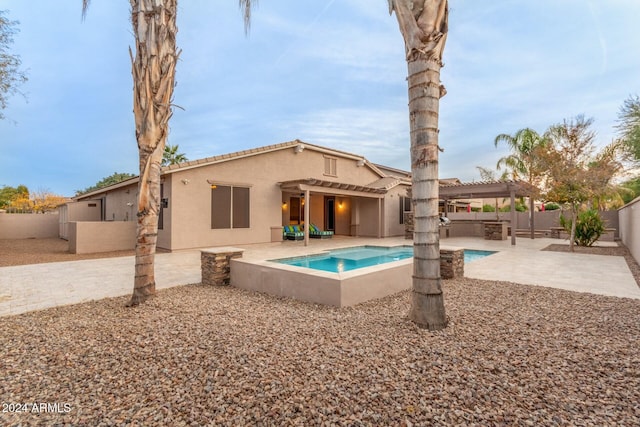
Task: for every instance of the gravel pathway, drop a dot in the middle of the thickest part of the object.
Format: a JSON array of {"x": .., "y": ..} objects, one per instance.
[{"x": 195, "y": 355}]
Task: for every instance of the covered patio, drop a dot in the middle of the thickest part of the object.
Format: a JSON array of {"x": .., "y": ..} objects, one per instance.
[
  {"x": 491, "y": 190},
  {"x": 346, "y": 209}
]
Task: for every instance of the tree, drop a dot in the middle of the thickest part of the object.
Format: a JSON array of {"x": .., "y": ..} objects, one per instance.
[
  {"x": 9, "y": 194},
  {"x": 629, "y": 126},
  {"x": 631, "y": 189},
  {"x": 171, "y": 155},
  {"x": 575, "y": 173},
  {"x": 424, "y": 27},
  {"x": 153, "y": 71},
  {"x": 115, "y": 178},
  {"x": 523, "y": 162},
  {"x": 44, "y": 200},
  {"x": 11, "y": 76}
]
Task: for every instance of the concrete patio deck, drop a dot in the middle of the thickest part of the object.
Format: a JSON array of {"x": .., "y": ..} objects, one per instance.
[{"x": 39, "y": 286}]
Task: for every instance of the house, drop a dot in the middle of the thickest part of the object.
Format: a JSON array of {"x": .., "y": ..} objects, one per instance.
[{"x": 247, "y": 197}]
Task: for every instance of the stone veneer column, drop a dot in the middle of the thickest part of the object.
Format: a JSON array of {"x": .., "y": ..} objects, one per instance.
[
  {"x": 451, "y": 263},
  {"x": 408, "y": 225},
  {"x": 496, "y": 230},
  {"x": 216, "y": 264}
]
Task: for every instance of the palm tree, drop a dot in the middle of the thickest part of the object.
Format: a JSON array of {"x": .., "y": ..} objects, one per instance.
[
  {"x": 171, "y": 155},
  {"x": 424, "y": 26},
  {"x": 523, "y": 162},
  {"x": 153, "y": 70}
]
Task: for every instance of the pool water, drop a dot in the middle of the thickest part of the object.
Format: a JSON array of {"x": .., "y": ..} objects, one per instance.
[
  {"x": 474, "y": 254},
  {"x": 341, "y": 260}
]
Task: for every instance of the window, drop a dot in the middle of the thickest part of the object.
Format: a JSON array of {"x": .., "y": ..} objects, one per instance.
[
  {"x": 229, "y": 207},
  {"x": 405, "y": 206},
  {"x": 330, "y": 166}
]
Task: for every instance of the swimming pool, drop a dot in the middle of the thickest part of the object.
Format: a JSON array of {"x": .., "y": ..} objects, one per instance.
[
  {"x": 341, "y": 287},
  {"x": 341, "y": 260}
]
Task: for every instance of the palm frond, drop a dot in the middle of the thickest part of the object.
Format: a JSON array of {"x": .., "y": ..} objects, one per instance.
[
  {"x": 245, "y": 7},
  {"x": 85, "y": 6}
]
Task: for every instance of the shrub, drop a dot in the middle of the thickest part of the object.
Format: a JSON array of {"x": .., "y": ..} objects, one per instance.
[
  {"x": 520, "y": 207},
  {"x": 589, "y": 227},
  {"x": 551, "y": 206},
  {"x": 488, "y": 208}
]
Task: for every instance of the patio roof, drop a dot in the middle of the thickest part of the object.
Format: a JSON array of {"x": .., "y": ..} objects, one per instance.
[
  {"x": 487, "y": 189},
  {"x": 323, "y": 186},
  {"x": 492, "y": 189}
]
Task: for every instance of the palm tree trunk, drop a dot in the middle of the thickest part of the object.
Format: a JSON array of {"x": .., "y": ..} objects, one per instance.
[
  {"x": 427, "y": 307},
  {"x": 424, "y": 26},
  {"x": 153, "y": 69}
]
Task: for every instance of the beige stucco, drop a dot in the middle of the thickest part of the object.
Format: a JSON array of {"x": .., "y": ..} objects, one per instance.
[
  {"x": 101, "y": 236},
  {"x": 28, "y": 226},
  {"x": 187, "y": 190},
  {"x": 629, "y": 217},
  {"x": 337, "y": 289}
]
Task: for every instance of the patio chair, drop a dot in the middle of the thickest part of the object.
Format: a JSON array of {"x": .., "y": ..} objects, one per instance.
[
  {"x": 316, "y": 233},
  {"x": 292, "y": 232}
]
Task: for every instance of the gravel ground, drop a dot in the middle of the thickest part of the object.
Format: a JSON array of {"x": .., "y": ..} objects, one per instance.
[
  {"x": 36, "y": 251},
  {"x": 195, "y": 355}
]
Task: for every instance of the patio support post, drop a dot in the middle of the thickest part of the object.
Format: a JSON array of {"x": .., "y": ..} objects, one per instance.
[
  {"x": 513, "y": 216},
  {"x": 307, "y": 202},
  {"x": 379, "y": 218},
  {"x": 531, "y": 212}
]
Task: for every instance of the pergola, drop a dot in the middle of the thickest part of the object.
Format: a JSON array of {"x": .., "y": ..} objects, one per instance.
[
  {"x": 319, "y": 186},
  {"x": 492, "y": 190}
]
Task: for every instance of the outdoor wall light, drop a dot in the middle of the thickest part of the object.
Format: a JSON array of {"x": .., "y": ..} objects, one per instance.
[
  {"x": 185, "y": 181},
  {"x": 284, "y": 205}
]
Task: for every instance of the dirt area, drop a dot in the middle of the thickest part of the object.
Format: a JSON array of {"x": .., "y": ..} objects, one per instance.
[
  {"x": 37, "y": 251},
  {"x": 620, "y": 250}
]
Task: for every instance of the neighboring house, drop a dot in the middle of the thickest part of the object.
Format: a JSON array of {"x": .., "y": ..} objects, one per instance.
[{"x": 246, "y": 197}]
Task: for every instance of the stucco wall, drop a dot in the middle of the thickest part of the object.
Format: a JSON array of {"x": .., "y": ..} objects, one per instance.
[
  {"x": 542, "y": 220},
  {"x": 343, "y": 215},
  {"x": 96, "y": 236},
  {"x": 392, "y": 211},
  {"x": 84, "y": 211},
  {"x": 187, "y": 219},
  {"x": 368, "y": 220},
  {"x": 629, "y": 217},
  {"x": 29, "y": 226},
  {"x": 190, "y": 204}
]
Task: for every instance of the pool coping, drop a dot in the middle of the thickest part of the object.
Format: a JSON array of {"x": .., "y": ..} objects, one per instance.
[{"x": 339, "y": 289}]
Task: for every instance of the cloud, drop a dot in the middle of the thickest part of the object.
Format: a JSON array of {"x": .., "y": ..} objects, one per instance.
[{"x": 381, "y": 135}]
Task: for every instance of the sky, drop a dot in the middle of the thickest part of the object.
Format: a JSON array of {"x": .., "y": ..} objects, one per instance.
[{"x": 328, "y": 72}]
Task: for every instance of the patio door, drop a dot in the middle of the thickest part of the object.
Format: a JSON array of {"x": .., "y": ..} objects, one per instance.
[{"x": 329, "y": 213}]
